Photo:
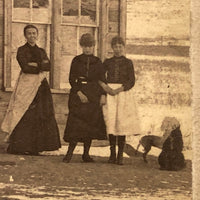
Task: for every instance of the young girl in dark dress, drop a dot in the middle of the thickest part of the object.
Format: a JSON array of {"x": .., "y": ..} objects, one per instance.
[
  {"x": 85, "y": 121},
  {"x": 30, "y": 120},
  {"x": 120, "y": 110}
]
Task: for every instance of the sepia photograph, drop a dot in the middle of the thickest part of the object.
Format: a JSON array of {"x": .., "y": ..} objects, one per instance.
[{"x": 99, "y": 99}]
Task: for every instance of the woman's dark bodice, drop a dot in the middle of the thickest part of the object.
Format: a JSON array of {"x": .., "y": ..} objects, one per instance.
[
  {"x": 120, "y": 70},
  {"x": 85, "y": 70},
  {"x": 27, "y": 54}
]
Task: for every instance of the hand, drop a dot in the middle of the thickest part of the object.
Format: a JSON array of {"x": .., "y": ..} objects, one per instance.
[
  {"x": 82, "y": 97},
  {"x": 118, "y": 90},
  {"x": 45, "y": 61},
  {"x": 103, "y": 100},
  {"x": 111, "y": 92},
  {"x": 106, "y": 88},
  {"x": 33, "y": 64}
]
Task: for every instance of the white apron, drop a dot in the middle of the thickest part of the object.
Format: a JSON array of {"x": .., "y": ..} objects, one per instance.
[
  {"x": 120, "y": 113},
  {"x": 25, "y": 90}
]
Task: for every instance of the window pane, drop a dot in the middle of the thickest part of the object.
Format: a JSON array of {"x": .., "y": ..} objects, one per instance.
[
  {"x": 21, "y": 3},
  {"x": 88, "y": 11},
  {"x": 40, "y": 3},
  {"x": 70, "y": 11},
  {"x": 69, "y": 40},
  {"x": 41, "y": 11},
  {"x": 68, "y": 52},
  {"x": 64, "y": 71},
  {"x": 21, "y": 10}
]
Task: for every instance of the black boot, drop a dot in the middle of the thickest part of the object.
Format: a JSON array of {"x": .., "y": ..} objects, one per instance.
[
  {"x": 85, "y": 156},
  {"x": 121, "y": 143},
  {"x": 112, "y": 140},
  {"x": 70, "y": 150}
]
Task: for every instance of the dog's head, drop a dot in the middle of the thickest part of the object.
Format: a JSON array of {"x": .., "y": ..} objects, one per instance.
[{"x": 168, "y": 125}]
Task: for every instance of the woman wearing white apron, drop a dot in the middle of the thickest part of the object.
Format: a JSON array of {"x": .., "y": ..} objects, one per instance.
[
  {"x": 119, "y": 110},
  {"x": 30, "y": 119}
]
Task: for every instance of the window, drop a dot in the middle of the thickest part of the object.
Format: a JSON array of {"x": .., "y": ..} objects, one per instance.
[{"x": 78, "y": 17}]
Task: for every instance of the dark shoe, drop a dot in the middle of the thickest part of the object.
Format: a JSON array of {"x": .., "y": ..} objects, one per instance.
[
  {"x": 67, "y": 158},
  {"x": 120, "y": 156},
  {"x": 35, "y": 154},
  {"x": 70, "y": 150},
  {"x": 121, "y": 143},
  {"x": 112, "y": 160},
  {"x": 87, "y": 158},
  {"x": 120, "y": 160}
]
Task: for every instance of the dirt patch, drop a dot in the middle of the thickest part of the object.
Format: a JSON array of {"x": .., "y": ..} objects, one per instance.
[{"x": 47, "y": 177}]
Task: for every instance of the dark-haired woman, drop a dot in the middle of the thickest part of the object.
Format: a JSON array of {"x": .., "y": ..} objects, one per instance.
[
  {"x": 30, "y": 120},
  {"x": 85, "y": 121}
]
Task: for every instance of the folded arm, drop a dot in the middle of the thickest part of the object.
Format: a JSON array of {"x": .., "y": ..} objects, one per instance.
[{"x": 27, "y": 67}]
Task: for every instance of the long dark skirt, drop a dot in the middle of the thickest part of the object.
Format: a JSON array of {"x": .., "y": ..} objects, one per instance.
[
  {"x": 85, "y": 120},
  {"x": 37, "y": 130}
]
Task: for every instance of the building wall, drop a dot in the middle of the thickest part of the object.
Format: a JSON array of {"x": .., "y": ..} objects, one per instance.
[
  {"x": 162, "y": 22},
  {"x": 158, "y": 43}
]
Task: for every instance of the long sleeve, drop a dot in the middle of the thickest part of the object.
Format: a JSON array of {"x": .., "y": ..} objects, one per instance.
[
  {"x": 73, "y": 76},
  {"x": 45, "y": 66},
  {"x": 102, "y": 77},
  {"x": 130, "y": 81},
  {"x": 102, "y": 72},
  {"x": 23, "y": 62}
]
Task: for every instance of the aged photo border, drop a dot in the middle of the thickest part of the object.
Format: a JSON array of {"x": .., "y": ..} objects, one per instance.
[{"x": 195, "y": 60}]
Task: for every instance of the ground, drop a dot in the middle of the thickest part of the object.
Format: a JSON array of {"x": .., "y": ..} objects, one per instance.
[{"x": 47, "y": 177}]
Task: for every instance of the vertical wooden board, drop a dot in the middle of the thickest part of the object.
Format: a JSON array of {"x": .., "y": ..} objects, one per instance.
[
  {"x": 103, "y": 29},
  {"x": 1, "y": 7},
  {"x": 122, "y": 19},
  {"x": 7, "y": 43},
  {"x": 64, "y": 71},
  {"x": 113, "y": 27},
  {"x": 1, "y": 46},
  {"x": 113, "y": 15},
  {"x": 56, "y": 44},
  {"x": 68, "y": 40},
  {"x": 1, "y": 25},
  {"x": 114, "y": 4}
]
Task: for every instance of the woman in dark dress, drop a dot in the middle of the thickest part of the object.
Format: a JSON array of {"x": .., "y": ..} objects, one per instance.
[
  {"x": 85, "y": 121},
  {"x": 30, "y": 119},
  {"x": 171, "y": 157}
]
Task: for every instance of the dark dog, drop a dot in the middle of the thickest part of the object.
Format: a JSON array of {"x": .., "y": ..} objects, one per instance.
[
  {"x": 147, "y": 142},
  {"x": 171, "y": 158}
]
